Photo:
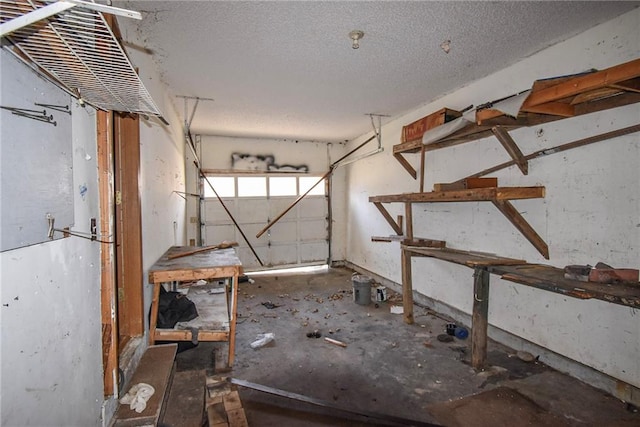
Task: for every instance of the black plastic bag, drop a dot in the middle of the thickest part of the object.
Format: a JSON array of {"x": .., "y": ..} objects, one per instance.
[{"x": 174, "y": 307}]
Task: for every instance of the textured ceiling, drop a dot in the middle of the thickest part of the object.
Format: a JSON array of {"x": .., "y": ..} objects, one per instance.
[{"x": 287, "y": 69}]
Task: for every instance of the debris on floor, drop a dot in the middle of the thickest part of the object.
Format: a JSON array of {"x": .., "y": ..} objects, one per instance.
[
  {"x": 396, "y": 309},
  {"x": 335, "y": 342},
  {"x": 224, "y": 407},
  {"x": 262, "y": 340}
]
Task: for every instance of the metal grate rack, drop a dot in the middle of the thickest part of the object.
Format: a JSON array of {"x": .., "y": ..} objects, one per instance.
[{"x": 78, "y": 49}]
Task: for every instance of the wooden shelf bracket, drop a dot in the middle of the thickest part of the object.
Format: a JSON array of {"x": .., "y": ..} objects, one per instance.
[{"x": 512, "y": 148}]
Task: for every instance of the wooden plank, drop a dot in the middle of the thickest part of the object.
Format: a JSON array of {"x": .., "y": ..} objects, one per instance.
[
  {"x": 216, "y": 415},
  {"x": 233, "y": 318},
  {"x": 237, "y": 418},
  {"x": 523, "y": 226},
  {"x": 185, "y": 405},
  {"x": 155, "y": 369},
  {"x": 415, "y": 131},
  {"x": 512, "y": 148},
  {"x": 554, "y": 108},
  {"x": 223, "y": 245},
  {"x": 581, "y": 84},
  {"x": 185, "y": 335},
  {"x": 480, "y": 316},
  {"x": 407, "y": 287},
  {"x": 408, "y": 212},
  {"x": 467, "y": 183},
  {"x": 466, "y": 258},
  {"x": 406, "y": 165},
  {"x": 424, "y": 243},
  {"x": 388, "y": 217},
  {"x": 552, "y": 279},
  {"x": 469, "y": 195},
  {"x": 187, "y": 275},
  {"x": 107, "y": 268},
  {"x": 129, "y": 230},
  {"x": 232, "y": 401}
]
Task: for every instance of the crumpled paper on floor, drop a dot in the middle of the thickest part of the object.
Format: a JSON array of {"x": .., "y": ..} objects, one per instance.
[{"x": 138, "y": 396}]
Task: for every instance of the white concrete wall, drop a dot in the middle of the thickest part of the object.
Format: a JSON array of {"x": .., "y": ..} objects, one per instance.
[
  {"x": 590, "y": 213},
  {"x": 50, "y": 315},
  {"x": 215, "y": 153}
]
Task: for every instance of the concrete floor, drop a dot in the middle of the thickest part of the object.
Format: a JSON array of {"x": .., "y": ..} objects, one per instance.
[{"x": 388, "y": 367}]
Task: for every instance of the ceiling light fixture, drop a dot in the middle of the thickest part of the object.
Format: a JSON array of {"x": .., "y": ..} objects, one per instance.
[{"x": 355, "y": 37}]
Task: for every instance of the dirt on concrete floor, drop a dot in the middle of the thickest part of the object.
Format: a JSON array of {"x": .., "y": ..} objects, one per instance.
[{"x": 387, "y": 366}]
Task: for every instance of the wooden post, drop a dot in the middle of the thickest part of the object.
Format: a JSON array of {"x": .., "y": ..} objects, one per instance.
[
  {"x": 407, "y": 287},
  {"x": 422, "y": 162},
  {"x": 480, "y": 318}
]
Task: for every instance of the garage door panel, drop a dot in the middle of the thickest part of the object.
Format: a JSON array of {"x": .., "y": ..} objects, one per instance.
[
  {"x": 313, "y": 251},
  {"x": 249, "y": 261},
  {"x": 284, "y": 231},
  {"x": 218, "y": 233},
  {"x": 213, "y": 210},
  {"x": 313, "y": 229},
  {"x": 277, "y": 205},
  {"x": 313, "y": 207},
  {"x": 252, "y": 210},
  {"x": 286, "y": 254}
]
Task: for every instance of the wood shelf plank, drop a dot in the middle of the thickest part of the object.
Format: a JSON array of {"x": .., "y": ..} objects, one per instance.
[{"x": 466, "y": 195}]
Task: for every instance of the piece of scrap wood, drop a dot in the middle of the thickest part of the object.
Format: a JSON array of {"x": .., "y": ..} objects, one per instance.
[
  {"x": 223, "y": 245},
  {"x": 335, "y": 342}
]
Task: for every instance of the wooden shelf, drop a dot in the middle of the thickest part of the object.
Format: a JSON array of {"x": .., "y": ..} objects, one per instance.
[
  {"x": 550, "y": 100},
  {"x": 499, "y": 196}
]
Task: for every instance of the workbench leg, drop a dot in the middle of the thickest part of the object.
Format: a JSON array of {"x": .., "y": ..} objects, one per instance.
[
  {"x": 407, "y": 287},
  {"x": 480, "y": 318},
  {"x": 232, "y": 324},
  {"x": 155, "y": 302}
]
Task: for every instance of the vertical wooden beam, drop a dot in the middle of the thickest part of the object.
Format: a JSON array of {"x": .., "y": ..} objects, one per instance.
[
  {"x": 422, "y": 162},
  {"x": 479, "y": 319},
  {"x": 128, "y": 226},
  {"x": 235, "y": 281},
  {"x": 408, "y": 219},
  {"x": 407, "y": 286},
  {"x": 107, "y": 272}
]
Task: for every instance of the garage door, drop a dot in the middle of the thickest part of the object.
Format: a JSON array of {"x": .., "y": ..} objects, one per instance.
[{"x": 299, "y": 238}]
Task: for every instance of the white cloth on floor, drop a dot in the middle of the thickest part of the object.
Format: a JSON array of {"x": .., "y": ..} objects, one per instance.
[{"x": 138, "y": 396}]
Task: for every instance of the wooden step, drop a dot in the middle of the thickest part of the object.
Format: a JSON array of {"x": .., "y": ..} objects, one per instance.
[
  {"x": 185, "y": 404},
  {"x": 224, "y": 407},
  {"x": 155, "y": 368}
]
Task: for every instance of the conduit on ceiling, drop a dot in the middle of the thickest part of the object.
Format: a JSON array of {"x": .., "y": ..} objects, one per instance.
[{"x": 78, "y": 49}]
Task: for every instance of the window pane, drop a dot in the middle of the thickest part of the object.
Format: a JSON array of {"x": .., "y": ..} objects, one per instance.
[
  {"x": 307, "y": 181},
  {"x": 252, "y": 186},
  {"x": 283, "y": 186},
  {"x": 224, "y": 185}
]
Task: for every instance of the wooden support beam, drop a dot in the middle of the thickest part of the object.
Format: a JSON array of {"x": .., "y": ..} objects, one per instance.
[
  {"x": 466, "y": 183},
  {"x": 406, "y": 165},
  {"x": 480, "y": 318},
  {"x": 387, "y": 216},
  {"x": 408, "y": 212},
  {"x": 422, "y": 163},
  {"x": 522, "y": 225},
  {"x": 512, "y": 148},
  {"x": 581, "y": 84},
  {"x": 407, "y": 287}
]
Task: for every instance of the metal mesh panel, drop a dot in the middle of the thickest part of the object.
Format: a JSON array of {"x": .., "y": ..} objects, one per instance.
[{"x": 79, "y": 50}]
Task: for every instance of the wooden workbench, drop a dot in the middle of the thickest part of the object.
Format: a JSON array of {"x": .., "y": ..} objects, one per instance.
[
  {"x": 217, "y": 312},
  {"x": 539, "y": 276}
]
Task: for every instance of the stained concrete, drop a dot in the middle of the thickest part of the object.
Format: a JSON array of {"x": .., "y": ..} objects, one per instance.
[{"x": 387, "y": 367}]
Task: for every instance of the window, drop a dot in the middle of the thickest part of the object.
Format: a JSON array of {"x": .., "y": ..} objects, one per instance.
[
  {"x": 252, "y": 186},
  {"x": 283, "y": 186},
  {"x": 307, "y": 182},
  {"x": 225, "y": 186},
  {"x": 256, "y": 186}
]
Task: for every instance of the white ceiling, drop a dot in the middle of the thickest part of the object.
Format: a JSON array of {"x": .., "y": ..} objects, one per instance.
[{"x": 287, "y": 69}]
